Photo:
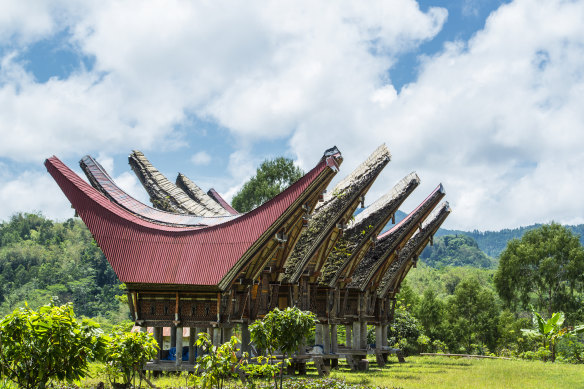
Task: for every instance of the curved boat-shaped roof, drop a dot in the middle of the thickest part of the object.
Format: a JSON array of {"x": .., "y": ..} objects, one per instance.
[
  {"x": 360, "y": 235},
  {"x": 316, "y": 242},
  {"x": 204, "y": 199},
  {"x": 102, "y": 181},
  {"x": 400, "y": 267},
  {"x": 217, "y": 197},
  {"x": 143, "y": 252},
  {"x": 379, "y": 258},
  {"x": 167, "y": 196}
]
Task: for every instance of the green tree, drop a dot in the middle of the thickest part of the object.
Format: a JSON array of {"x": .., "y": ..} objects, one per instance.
[
  {"x": 404, "y": 330},
  {"x": 271, "y": 178},
  {"x": 282, "y": 330},
  {"x": 473, "y": 315},
  {"x": 48, "y": 344},
  {"x": 544, "y": 268},
  {"x": 455, "y": 250},
  {"x": 218, "y": 363},
  {"x": 551, "y": 330},
  {"x": 126, "y": 355},
  {"x": 431, "y": 314}
]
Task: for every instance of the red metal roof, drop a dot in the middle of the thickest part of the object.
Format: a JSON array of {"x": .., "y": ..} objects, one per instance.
[
  {"x": 217, "y": 197},
  {"x": 102, "y": 181},
  {"x": 144, "y": 252}
]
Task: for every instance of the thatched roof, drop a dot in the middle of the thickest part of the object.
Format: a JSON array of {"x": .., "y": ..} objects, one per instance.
[
  {"x": 164, "y": 194},
  {"x": 411, "y": 250},
  {"x": 357, "y": 238},
  {"x": 388, "y": 243},
  {"x": 199, "y": 196},
  {"x": 337, "y": 207}
]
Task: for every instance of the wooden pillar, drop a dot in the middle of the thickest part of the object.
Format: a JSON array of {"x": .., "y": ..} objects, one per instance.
[
  {"x": 245, "y": 337},
  {"x": 227, "y": 334},
  {"x": 356, "y": 335},
  {"x": 216, "y": 336},
  {"x": 318, "y": 334},
  {"x": 363, "y": 334},
  {"x": 384, "y": 341},
  {"x": 157, "y": 332},
  {"x": 179, "y": 345},
  {"x": 198, "y": 348},
  {"x": 378, "y": 337},
  {"x": 348, "y": 336},
  {"x": 172, "y": 337},
  {"x": 326, "y": 339},
  {"x": 192, "y": 340},
  {"x": 334, "y": 339}
]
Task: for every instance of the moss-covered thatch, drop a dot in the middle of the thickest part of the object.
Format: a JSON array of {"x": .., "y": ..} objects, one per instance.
[
  {"x": 199, "y": 196},
  {"x": 390, "y": 241},
  {"x": 336, "y": 205},
  {"x": 412, "y": 248},
  {"x": 164, "y": 194},
  {"x": 364, "y": 227}
]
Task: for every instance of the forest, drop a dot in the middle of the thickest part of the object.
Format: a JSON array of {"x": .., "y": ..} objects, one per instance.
[{"x": 458, "y": 299}]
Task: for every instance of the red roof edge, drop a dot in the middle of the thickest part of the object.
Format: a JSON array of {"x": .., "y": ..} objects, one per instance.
[
  {"x": 217, "y": 197},
  {"x": 144, "y": 252},
  {"x": 439, "y": 188}
]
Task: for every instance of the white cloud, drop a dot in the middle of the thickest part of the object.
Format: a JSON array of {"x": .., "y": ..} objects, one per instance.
[
  {"x": 498, "y": 119},
  {"x": 33, "y": 192},
  {"x": 201, "y": 158}
]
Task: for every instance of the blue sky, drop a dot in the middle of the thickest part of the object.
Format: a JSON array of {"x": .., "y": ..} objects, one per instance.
[{"x": 483, "y": 96}]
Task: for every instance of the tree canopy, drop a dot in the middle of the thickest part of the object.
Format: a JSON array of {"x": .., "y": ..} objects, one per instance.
[
  {"x": 545, "y": 268},
  {"x": 455, "y": 250},
  {"x": 37, "y": 346},
  {"x": 272, "y": 177}
]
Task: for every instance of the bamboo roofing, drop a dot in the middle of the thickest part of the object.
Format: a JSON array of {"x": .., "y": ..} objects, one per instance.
[{"x": 332, "y": 210}]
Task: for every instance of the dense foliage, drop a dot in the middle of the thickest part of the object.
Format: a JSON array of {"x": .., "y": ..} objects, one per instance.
[
  {"x": 126, "y": 354},
  {"x": 493, "y": 243},
  {"x": 282, "y": 330},
  {"x": 544, "y": 269},
  {"x": 455, "y": 250},
  {"x": 40, "y": 259},
  {"x": 37, "y": 346},
  {"x": 272, "y": 177}
]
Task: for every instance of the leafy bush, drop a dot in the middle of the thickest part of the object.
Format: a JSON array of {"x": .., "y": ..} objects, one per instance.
[
  {"x": 48, "y": 344},
  {"x": 282, "y": 330},
  {"x": 126, "y": 354},
  {"x": 217, "y": 364},
  {"x": 404, "y": 331}
]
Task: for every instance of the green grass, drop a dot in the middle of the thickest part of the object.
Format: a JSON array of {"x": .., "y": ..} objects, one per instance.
[
  {"x": 434, "y": 372},
  {"x": 444, "y": 372}
]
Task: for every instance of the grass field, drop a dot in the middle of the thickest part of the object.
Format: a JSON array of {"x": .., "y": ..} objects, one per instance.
[
  {"x": 435, "y": 372},
  {"x": 444, "y": 372}
]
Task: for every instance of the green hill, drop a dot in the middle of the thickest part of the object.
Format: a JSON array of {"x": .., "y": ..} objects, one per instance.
[
  {"x": 41, "y": 259},
  {"x": 494, "y": 242},
  {"x": 456, "y": 250}
]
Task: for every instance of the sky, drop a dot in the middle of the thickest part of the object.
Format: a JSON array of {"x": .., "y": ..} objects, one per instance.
[{"x": 483, "y": 96}]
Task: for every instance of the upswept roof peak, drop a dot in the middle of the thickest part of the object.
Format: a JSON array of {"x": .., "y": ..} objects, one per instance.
[
  {"x": 164, "y": 194},
  {"x": 102, "y": 181},
  {"x": 336, "y": 208},
  {"x": 380, "y": 155},
  {"x": 376, "y": 260},
  {"x": 414, "y": 247},
  {"x": 143, "y": 252},
  {"x": 362, "y": 231},
  {"x": 199, "y": 196}
]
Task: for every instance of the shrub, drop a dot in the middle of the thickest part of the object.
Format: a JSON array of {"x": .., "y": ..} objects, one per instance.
[
  {"x": 126, "y": 355},
  {"x": 36, "y": 347},
  {"x": 217, "y": 364}
]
